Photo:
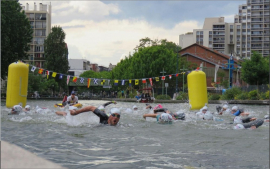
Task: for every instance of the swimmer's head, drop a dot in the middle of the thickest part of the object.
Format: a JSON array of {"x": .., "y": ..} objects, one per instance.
[
  {"x": 266, "y": 117},
  {"x": 27, "y": 108},
  {"x": 16, "y": 109},
  {"x": 204, "y": 109},
  {"x": 165, "y": 117},
  {"x": 114, "y": 116},
  {"x": 135, "y": 107},
  {"x": 180, "y": 115},
  {"x": 238, "y": 126},
  {"x": 225, "y": 107}
]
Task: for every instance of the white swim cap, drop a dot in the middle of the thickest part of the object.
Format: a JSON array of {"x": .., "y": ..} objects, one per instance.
[
  {"x": 166, "y": 117},
  {"x": 238, "y": 126},
  {"x": 266, "y": 117},
  {"x": 205, "y": 108},
  {"x": 102, "y": 108},
  {"x": 17, "y": 108},
  {"x": 134, "y": 107},
  {"x": 27, "y": 107},
  {"x": 225, "y": 106},
  {"x": 208, "y": 116},
  {"x": 234, "y": 108},
  {"x": 115, "y": 110}
]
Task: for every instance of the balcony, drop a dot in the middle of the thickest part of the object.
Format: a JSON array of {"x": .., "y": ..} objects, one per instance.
[
  {"x": 218, "y": 41},
  {"x": 39, "y": 59}
]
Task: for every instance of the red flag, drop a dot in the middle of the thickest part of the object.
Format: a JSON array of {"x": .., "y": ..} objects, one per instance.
[
  {"x": 74, "y": 79},
  {"x": 47, "y": 73},
  {"x": 40, "y": 71},
  {"x": 143, "y": 80},
  {"x": 150, "y": 79},
  {"x": 176, "y": 74},
  {"x": 198, "y": 68},
  {"x": 88, "y": 82},
  {"x": 163, "y": 77},
  {"x": 170, "y": 76}
]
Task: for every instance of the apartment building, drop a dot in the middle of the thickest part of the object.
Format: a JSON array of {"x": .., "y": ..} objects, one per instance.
[
  {"x": 40, "y": 20},
  {"x": 249, "y": 32},
  {"x": 254, "y": 30},
  {"x": 78, "y": 66}
]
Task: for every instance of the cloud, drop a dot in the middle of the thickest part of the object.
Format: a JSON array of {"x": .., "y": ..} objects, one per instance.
[{"x": 110, "y": 40}]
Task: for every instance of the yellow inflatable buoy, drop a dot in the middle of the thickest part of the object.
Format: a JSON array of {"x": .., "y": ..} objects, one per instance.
[
  {"x": 197, "y": 89},
  {"x": 78, "y": 105},
  {"x": 17, "y": 84}
]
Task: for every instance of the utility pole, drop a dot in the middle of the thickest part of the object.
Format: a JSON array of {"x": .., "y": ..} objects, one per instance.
[
  {"x": 183, "y": 76},
  {"x": 163, "y": 80},
  {"x": 176, "y": 90}
]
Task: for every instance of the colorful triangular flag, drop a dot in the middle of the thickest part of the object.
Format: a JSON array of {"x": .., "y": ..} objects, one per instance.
[
  {"x": 33, "y": 68},
  {"x": 103, "y": 82},
  {"x": 54, "y": 74},
  {"x": 68, "y": 77},
  {"x": 136, "y": 82},
  {"x": 163, "y": 77},
  {"x": 176, "y": 75},
  {"x": 151, "y": 82},
  {"x": 88, "y": 82},
  {"x": 40, "y": 71},
  {"x": 115, "y": 82},
  {"x": 170, "y": 76},
  {"x": 143, "y": 80},
  {"x": 47, "y": 73},
  {"x": 130, "y": 82},
  {"x": 74, "y": 79},
  {"x": 82, "y": 80}
]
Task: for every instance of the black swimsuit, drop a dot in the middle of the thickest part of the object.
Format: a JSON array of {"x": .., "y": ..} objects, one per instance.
[{"x": 103, "y": 116}]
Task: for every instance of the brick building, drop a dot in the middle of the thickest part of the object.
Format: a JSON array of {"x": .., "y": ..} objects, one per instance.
[{"x": 207, "y": 59}]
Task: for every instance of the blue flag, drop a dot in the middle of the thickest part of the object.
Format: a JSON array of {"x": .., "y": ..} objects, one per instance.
[{"x": 60, "y": 76}]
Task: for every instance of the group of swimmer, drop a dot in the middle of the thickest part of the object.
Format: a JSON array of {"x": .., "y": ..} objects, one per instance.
[{"x": 162, "y": 115}]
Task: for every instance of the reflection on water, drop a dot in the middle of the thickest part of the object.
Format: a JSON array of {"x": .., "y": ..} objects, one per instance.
[{"x": 80, "y": 142}]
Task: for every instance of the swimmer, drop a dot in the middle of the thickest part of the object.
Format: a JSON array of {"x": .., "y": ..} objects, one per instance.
[
  {"x": 222, "y": 110},
  {"x": 236, "y": 111},
  {"x": 266, "y": 118},
  {"x": 175, "y": 116},
  {"x": 204, "y": 114},
  {"x": 111, "y": 119},
  {"x": 18, "y": 109},
  {"x": 135, "y": 108},
  {"x": 252, "y": 125},
  {"x": 161, "y": 118}
]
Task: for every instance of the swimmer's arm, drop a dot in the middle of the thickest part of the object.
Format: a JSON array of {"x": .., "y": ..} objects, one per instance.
[
  {"x": 61, "y": 113},
  {"x": 149, "y": 115},
  {"x": 160, "y": 110},
  {"x": 108, "y": 103},
  {"x": 82, "y": 110}
]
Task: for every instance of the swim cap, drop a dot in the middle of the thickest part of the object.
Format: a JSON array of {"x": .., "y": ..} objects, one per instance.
[
  {"x": 158, "y": 107},
  {"x": 115, "y": 110},
  {"x": 208, "y": 116},
  {"x": 166, "y": 117},
  {"x": 238, "y": 126},
  {"x": 27, "y": 107},
  {"x": 180, "y": 115},
  {"x": 102, "y": 108},
  {"x": 266, "y": 117},
  {"x": 225, "y": 106},
  {"x": 135, "y": 107},
  {"x": 17, "y": 108},
  {"x": 234, "y": 108},
  {"x": 205, "y": 108}
]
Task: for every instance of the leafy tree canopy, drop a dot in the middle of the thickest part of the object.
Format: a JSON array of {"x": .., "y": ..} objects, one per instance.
[
  {"x": 16, "y": 33},
  {"x": 256, "y": 70}
]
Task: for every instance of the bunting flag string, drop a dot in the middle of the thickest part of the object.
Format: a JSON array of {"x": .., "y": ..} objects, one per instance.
[{"x": 103, "y": 81}]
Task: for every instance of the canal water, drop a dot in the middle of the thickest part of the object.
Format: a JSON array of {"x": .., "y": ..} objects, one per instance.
[{"x": 78, "y": 142}]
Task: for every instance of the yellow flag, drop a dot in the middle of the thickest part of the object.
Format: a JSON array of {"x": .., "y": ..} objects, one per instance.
[
  {"x": 136, "y": 82},
  {"x": 54, "y": 74},
  {"x": 88, "y": 83},
  {"x": 157, "y": 79}
]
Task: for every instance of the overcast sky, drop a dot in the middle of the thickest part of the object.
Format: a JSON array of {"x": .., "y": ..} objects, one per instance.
[{"x": 103, "y": 32}]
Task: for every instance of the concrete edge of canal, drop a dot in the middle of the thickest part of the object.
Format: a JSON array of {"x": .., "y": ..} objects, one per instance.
[{"x": 13, "y": 156}]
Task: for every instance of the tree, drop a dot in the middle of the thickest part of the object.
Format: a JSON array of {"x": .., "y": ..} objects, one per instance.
[
  {"x": 256, "y": 70},
  {"x": 16, "y": 34},
  {"x": 56, "y": 53}
]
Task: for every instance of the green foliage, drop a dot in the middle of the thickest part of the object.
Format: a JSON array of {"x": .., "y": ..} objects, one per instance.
[
  {"x": 214, "y": 97},
  {"x": 242, "y": 96},
  {"x": 16, "y": 33},
  {"x": 253, "y": 95},
  {"x": 182, "y": 96},
  {"x": 263, "y": 96},
  {"x": 163, "y": 97},
  {"x": 230, "y": 93},
  {"x": 267, "y": 95},
  {"x": 56, "y": 52},
  {"x": 256, "y": 70}
]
